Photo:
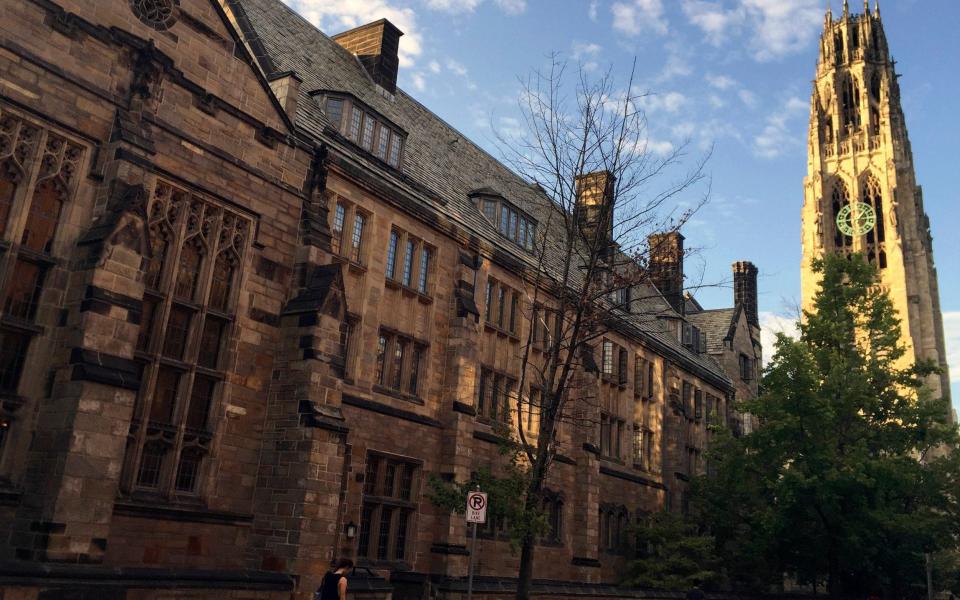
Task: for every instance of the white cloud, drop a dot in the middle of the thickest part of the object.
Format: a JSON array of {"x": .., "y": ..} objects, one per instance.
[
  {"x": 512, "y": 7},
  {"x": 509, "y": 128},
  {"x": 774, "y": 28},
  {"x": 586, "y": 53},
  {"x": 334, "y": 16},
  {"x": 684, "y": 130},
  {"x": 776, "y": 136},
  {"x": 460, "y": 7},
  {"x": 592, "y": 11},
  {"x": 715, "y": 22},
  {"x": 671, "y": 102},
  {"x": 419, "y": 82},
  {"x": 716, "y": 101},
  {"x": 770, "y": 325},
  {"x": 951, "y": 331},
  {"x": 748, "y": 98},
  {"x": 720, "y": 82},
  {"x": 637, "y": 16},
  {"x": 586, "y": 49},
  {"x": 652, "y": 146},
  {"x": 434, "y": 66},
  {"x": 678, "y": 63},
  {"x": 782, "y": 26},
  {"x": 659, "y": 147},
  {"x": 453, "y": 6},
  {"x": 456, "y": 68}
]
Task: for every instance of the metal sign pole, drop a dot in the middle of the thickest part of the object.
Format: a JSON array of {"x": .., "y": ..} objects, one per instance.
[
  {"x": 473, "y": 551},
  {"x": 476, "y": 513}
]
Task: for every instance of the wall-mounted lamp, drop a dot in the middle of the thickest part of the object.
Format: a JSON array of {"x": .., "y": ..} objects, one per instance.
[{"x": 351, "y": 530}]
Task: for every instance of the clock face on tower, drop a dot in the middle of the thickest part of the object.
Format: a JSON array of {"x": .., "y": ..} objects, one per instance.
[{"x": 856, "y": 219}]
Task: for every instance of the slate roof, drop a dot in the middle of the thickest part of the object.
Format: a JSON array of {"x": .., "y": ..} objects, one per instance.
[
  {"x": 436, "y": 157},
  {"x": 719, "y": 324}
]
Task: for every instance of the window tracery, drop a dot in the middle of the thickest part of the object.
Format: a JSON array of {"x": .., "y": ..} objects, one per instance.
[
  {"x": 840, "y": 198},
  {"x": 850, "y": 106},
  {"x": 159, "y": 14},
  {"x": 872, "y": 195},
  {"x": 190, "y": 296},
  {"x": 37, "y": 193}
]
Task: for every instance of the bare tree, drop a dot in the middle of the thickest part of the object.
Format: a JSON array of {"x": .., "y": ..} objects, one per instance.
[{"x": 586, "y": 145}]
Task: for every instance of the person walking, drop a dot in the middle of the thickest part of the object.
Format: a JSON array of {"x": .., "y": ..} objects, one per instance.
[{"x": 334, "y": 583}]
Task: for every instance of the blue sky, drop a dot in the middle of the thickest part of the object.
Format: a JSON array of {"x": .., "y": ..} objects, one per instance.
[{"x": 732, "y": 73}]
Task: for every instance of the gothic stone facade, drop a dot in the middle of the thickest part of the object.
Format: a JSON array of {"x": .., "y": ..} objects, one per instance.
[
  {"x": 252, "y": 295},
  {"x": 859, "y": 151}
]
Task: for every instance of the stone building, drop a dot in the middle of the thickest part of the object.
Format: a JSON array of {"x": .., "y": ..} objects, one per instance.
[
  {"x": 252, "y": 295},
  {"x": 861, "y": 193}
]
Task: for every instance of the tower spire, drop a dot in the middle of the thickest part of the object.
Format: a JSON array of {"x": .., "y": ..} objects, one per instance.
[
  {"x": 846, "y": 9},
  {"x": 876, "y": 8}
]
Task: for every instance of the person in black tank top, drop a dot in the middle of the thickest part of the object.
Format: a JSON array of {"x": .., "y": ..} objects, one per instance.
[{"x": 334, "y": 583}]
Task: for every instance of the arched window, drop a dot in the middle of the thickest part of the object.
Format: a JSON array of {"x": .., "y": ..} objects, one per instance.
[
  {"x": 222, "y": 284},
  {"x": 850, "y": 103},
  {"x": 9, "y": 179},
  {"x": 838, "y": 46},
  {"x": 840, "y": 198},
  {"x": 185, "y": 326},
  {"x": 872, "y": 196},
  {"x": 43, "y": 216},
  {"x": 875, "y": 86},
  {"x": 160, "y": 236},
  {"x": 188, "y": 271}
]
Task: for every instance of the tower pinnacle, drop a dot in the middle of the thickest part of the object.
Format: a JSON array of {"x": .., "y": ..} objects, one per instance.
[{"x": 846, "y": 9}]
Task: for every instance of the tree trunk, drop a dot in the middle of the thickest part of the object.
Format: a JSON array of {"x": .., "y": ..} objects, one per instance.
[
  {"x": 525, "y": 574},
  {"x": 532, "y": 501},
  {"x": 834, "y": 584}
]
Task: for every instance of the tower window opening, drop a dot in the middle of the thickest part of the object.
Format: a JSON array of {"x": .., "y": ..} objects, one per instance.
[
  {"x": 851, "y": 103},
  {"x": 838, "y": 46},
  {"x": 873, "y": 197},
  {"x": 883, "y": 259},
  {"x": 875, "y": 86},
  {"x": 840, "y": 199}
]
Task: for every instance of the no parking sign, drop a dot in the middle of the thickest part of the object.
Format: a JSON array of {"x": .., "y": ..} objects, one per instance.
[{"x": 476, "y": 507}]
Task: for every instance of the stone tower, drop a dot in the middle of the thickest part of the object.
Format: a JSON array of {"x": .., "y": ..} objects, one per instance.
[{"x": 860, "y": 157}]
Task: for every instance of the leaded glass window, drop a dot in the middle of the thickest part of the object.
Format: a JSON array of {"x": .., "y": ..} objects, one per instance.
[{"x": 188, "y": 313}]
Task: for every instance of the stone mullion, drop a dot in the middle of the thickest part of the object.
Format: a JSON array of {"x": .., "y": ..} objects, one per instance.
[
  {"x": 20, "y": 208},
  {"x": 194, "y": 336},
  {"x": 19, "y": 211},
  {"x": 168, "y": 279}
]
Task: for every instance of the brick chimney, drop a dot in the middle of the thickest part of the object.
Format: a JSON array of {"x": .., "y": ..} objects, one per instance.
[
  {"x": 595, "y": 203},
  {"x": 665, "y": 266},
  {"x": 745, "y": 290},
  {"x": 286, "y": 87},
  {"x": 376, "y": 45}
]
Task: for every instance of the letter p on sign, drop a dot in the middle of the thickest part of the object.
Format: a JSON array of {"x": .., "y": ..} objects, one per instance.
[{"x": 476, "y": 507}]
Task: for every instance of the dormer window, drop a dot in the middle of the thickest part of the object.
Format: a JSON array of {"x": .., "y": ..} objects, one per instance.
[
  {"x": 511, "y": 222},
  {"x": 364, "y": 127}
]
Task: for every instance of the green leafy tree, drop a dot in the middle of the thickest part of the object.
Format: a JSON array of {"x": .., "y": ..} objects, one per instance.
[
  {"x": 673, "y": 555},
  {"x": 851, "y": 479},
  {"x": 506, "y": 493}
]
